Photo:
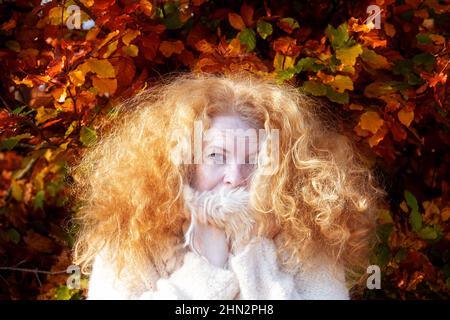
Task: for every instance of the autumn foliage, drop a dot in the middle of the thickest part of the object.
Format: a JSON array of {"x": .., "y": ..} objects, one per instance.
[{"x": 385, "y": 80}]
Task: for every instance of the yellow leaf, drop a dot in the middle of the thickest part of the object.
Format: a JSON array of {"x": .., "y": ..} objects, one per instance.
[
  {"x": 106, "y": 87},
  {"x": 110, "y": 36},
  {"x": 282, "y": 62},
  {"x": 102, "y": 68},
  {"x": 130, "y": 36},
  {"x": 76, "y": 77},
  {"x": 44, "y": 114},
  {"x": 404, "y": 206},
  {"x": 112, "y": 47},
  {"x": 57, "y": 15},
  {"x": 405, "y": 117},
  {"x": 67, "y": 106},
  {"x": 371, "y": 121},
  {"x": 236, "y": 21},
  {"x": 348, "y": 55},
  {"x": 342, "y": 83},
  {"x": 384, "y": 216},
  {"x": 16, "y": 191},
  {"x": 26, "y": 81},
  {"x": 131, "y": 50}
]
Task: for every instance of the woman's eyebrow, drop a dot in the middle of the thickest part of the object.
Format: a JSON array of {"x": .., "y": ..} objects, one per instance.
[{"x": 215, "y": 147}]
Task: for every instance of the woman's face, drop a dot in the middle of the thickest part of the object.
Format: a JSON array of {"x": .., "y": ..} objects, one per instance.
[{"x": 230, "y": 149}]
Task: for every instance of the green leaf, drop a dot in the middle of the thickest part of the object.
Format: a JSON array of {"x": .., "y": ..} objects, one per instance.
[
  {"x": 13, "y": 235},
  {"x": 385, "y": 216},
  {"x": 10, "y": 143},
  {"x": 383, "y": 255},
  {"x": 423, "y": 38},
  {"x": 39, "y": 200},
  {"x": 248, "y": 37},
  {"x": 348, "y": 55},
  {"x": 403, "y": 67},
  {"x": 308, "y": 63},
  {"x": 52, "y": 188},
  {"x": 411, "y": 201},
  {"x": 427, "y": 233},
  {"x": 337, "y": 97},
  {"x": 13, "y": 45},
  {"x": 291, "y": 22},
  {"x": 18, "y": 110},
  {"x": 400, "y": 255},
  {"x": 425, "y": 59},
  {"x": 378, "y": 88},
  {"x": 314, "y": 88},
  {"x": 415, "y": 220},
  {"x": 172, "y": 16},
  {"x": 283, "y": 75},
  {"x": 374, "y": 60},
  {"x": 63, "y": 293},
  {"x": 384, "y": 232},
  {"x": 407, "y": 15},
  {"x": 88, "y": 136},
  {"x": 264, "y": 29},
  {"x": 338, "y": 37}
]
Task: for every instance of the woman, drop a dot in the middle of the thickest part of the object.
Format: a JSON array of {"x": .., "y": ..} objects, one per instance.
[{"x": 223, "y": 187}]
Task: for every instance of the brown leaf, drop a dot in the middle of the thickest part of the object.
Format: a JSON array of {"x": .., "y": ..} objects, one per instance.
[{"x": 39, "y": 243}]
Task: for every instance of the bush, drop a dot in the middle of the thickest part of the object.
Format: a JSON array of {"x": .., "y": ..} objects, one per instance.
[{"x": 385, "y": 77}]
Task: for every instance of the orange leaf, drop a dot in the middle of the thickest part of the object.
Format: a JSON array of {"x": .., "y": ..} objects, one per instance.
[
  {"x": 405, "y": 117},
  {"x": 389, "y": 29},
  {"x": 204, "y": 46},
  {"x": 355, "y": 106},
  {"x": 398, "y": 132},
  {"x": 377, "y": 137},
  {"x": 247, "y": 14},
  {"x": 146, "y": 7},
  {"x": 150, "y": 44},
  {"x": 287, "y": 46},
  {"x": 236, "y": 21},
  {"x": 168, "y": 48},
  {"x": 106, "y": 87},
  {"x": 371, "y": 121}
]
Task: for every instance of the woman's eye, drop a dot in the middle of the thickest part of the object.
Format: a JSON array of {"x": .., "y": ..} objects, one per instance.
[{"x": 217, "y": 157}]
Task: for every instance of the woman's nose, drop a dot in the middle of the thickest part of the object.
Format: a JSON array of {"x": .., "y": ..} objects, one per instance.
[{"x": 233, "y": 175}]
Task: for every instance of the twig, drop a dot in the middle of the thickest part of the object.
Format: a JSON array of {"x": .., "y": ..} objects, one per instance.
[
  {"x": 32, "y": 270},
  {"x": 35, "y": 271}
]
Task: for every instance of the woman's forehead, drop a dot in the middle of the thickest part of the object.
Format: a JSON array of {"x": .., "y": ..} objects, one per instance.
[
  {"x": 231, "y": 132},
  {"x": 229, "y": 121}
]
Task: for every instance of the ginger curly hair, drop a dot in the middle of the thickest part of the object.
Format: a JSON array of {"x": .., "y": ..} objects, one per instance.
[{"x": 322, "y": 194}]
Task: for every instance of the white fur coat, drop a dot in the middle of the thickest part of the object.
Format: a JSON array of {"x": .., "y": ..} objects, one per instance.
[{"x": 252, "y": 273}]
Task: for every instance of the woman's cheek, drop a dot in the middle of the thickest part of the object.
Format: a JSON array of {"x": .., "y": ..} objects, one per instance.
[{"x": 209, "y": 176}]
